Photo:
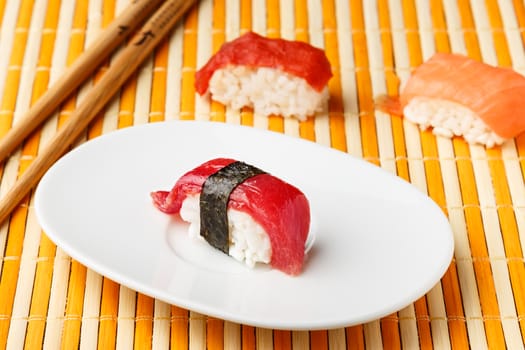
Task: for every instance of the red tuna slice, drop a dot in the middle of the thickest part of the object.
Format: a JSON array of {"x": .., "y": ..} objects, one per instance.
[
  {"x": 280, "y": 208},
  {"x": 294, "y": 57},
  {"x": 189, "y": 184}
]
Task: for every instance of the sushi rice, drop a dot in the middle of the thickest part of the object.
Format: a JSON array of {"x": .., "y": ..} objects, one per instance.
[
  {"x": 249, "y": 242},
  {"x": 267, "y": 90},
  {"x": 448, "y": 119}
]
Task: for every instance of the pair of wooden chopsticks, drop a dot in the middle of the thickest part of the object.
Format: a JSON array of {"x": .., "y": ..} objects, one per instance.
[{"x": 138, "y": 49}]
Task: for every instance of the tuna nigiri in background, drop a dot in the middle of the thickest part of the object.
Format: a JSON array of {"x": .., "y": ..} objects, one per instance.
[
  {"x": 459, "y": 96},
  {"x": 273, "y": 76}
]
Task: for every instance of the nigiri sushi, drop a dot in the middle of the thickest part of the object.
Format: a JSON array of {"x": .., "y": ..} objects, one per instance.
[
  {"x": 273, "y": 76},
  {"x": 459, "y": 96},
  {"x": 243, "y": 211}
]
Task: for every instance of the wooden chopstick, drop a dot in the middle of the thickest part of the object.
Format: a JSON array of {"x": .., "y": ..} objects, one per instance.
[
  {"x": 127, "y": 22},
  {"x": 120, "y": 70}
]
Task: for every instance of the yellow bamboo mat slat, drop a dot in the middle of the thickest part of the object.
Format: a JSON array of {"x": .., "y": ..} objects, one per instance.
[{"x": 49, "y": 300}]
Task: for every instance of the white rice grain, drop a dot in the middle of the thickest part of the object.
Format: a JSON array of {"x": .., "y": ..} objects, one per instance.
[
  {"x": 450, "y": 119},
  {"x": 268, "y": 91},
  {"x": 249, "y": 242}
]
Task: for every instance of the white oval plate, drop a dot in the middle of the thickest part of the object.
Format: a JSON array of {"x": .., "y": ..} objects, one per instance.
[{"x": 379, "y": 243}]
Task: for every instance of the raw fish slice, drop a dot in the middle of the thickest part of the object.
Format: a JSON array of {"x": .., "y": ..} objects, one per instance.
[{"x": 294, "y": 57}]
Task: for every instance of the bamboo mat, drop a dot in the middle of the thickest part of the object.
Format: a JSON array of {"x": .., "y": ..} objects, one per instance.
[{"x": 49, "y": 300}]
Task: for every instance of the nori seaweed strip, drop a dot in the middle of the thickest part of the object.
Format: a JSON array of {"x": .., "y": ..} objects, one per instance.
[{"x": 214, "y": 199}]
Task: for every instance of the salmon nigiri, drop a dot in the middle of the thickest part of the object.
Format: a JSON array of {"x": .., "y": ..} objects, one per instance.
[
  {"x": 243, "y": 211},
  {"x": 273, "y": 76},
  {"x": 457, "y": 95}
]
